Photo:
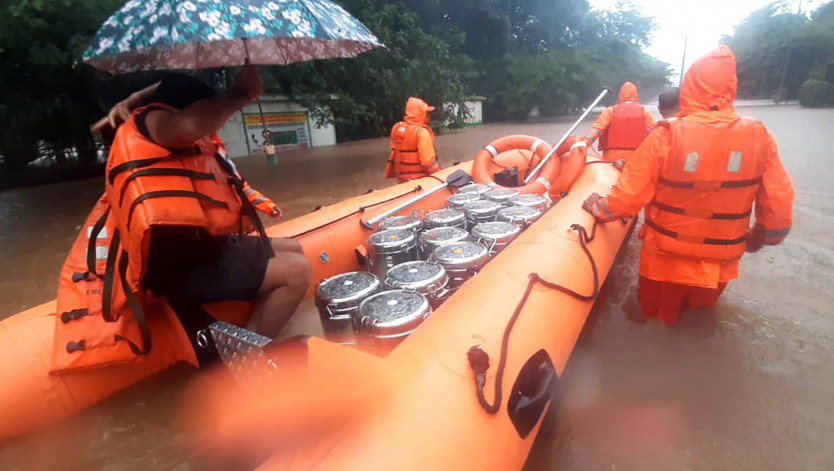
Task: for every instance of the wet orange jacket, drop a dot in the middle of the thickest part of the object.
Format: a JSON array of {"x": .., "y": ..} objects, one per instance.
[
  {"x": 700, "y": 175},
  {"x": 412, "y": 144},
  {"x": 101, "y": 300},
  {"x": 621, "y": 127}
]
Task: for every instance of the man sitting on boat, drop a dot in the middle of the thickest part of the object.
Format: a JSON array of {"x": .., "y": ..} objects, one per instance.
[
  {"x": 699, "y": 176},
  {"x": 412, "y": 144},
  {"x": 173, "y": 225},
  {"x": 620, "y": 128}
]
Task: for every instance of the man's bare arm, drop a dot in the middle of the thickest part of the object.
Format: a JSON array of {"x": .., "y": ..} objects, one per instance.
[{"x": 182, "y": 128}]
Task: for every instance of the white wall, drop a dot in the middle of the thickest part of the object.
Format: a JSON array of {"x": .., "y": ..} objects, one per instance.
[
  {"x": 289, "y": 122},
  {"x": 474, "y": 107}
]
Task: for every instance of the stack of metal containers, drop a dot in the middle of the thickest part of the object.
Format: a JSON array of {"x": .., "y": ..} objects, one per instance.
[{"x": 416, "y": 262}]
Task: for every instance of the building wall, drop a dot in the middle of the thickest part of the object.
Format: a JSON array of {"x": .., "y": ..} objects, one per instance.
[
  {"x": 473, "y": 106},
  {"x": 289, "y": 124}
]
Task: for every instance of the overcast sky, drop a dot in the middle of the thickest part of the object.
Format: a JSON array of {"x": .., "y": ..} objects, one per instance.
[{"x": 707, "y": 22}]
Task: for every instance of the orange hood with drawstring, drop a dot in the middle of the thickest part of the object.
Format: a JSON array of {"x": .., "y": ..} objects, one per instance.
[
  {"x": 417, "y": 111},
  {"x": 628, "y": 92},
  {"x": 710, "y": 84}
]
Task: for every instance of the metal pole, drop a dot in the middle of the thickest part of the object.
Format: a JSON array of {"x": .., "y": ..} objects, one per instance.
[
  {"x": 370, "y": 222},
  {"x": 683, "y": 59},
  {"x": 564, "y": 137}
]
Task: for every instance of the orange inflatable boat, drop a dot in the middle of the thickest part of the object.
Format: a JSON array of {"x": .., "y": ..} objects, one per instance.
[
  {"x": 466, "y": 390},
  {"x": 472, "y": 381}
]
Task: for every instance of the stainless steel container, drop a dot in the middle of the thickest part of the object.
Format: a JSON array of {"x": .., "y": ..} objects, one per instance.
[
  {"x": 428, "y": 279},
  {"x": 532, "y": 200},
  {"x": 495, "y": 235},
  {"x": 462, "y": 260},
  {"x": 521, "y": 216},
  {"x": 457, "y": 200},
  {"x": 440, "y": 236},
  {"x": 389, "y": 248},
  {"x": 502, "y": 195},
  {"x": 385, "y": 318},
  {"x": 444, "y": 218},
  {"x": 480, "y": 211},
  {"x": 338, "y": 299},
  {"x": 477, "y": 188},
  {"x": 408, "y": 223}
]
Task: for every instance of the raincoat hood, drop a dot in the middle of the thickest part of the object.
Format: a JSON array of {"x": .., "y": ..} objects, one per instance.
[
  {"x": 628, "y": 92},
  {"x": 710, "y": 83},
  {"x": 416, "y": 111}
]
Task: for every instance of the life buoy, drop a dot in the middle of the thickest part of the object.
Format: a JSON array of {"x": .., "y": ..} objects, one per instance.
[
  {"x": 484, "y": 167},
  {"x": 572, "y": 153}
]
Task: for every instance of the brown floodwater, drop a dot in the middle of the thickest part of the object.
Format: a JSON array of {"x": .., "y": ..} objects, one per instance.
[{"x": 746, "y": 385}]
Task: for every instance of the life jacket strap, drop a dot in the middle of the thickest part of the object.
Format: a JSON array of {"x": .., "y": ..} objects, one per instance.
[
  {"x": 131, "y": 165},
  {"x": 91, "y": 245},
  {"x": 172, "y": 194},
  {"x": 163, "y": 172},
  {"x": 247, "y": 208},
  {"x": 138, "y": 312},
  {"x": 701, "y": 215},
  {"x": 694, "y": 240},
  {"x": 109, "y": 274},
  {"x": 711, "y": 185}
]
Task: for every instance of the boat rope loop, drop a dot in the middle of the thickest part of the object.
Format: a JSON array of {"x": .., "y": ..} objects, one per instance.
[{"x": 479, "y": 359}]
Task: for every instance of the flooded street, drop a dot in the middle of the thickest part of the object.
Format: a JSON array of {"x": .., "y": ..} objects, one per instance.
[{"x": 746, "y": 385}]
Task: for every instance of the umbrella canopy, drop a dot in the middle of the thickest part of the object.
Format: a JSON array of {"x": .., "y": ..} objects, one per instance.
[{"x": 199, "y": 34}]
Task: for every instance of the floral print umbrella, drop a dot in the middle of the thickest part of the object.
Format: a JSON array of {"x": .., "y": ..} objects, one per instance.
[{"x": 199, "y": 34}]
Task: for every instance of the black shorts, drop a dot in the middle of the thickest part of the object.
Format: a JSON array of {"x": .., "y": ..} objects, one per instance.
[{"x": 203, "y": 269}]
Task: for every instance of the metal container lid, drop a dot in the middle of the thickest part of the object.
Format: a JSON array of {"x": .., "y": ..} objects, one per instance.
[
  {"x": 410, "y": 223},
  {"x": 393, "y": 313},
  {"x": 457, "y": 200},
  {"x": 414, "y": 275},
  {"x": 443, "y": 235},
  {"x": 478, "y": 188},
  {"x": 392, "y": 239},
  {"x": 519, "y": 215},
  {"x": 481, "y": 208},
  {"x": 501, "y": 195},
  {"x": 346, "y": 287},
  {"x": 537, "y": 201},
  {"x": 444, "y": 217},
  {"x": 496, "y": 230},
  {"x": 461, "y": 254}
]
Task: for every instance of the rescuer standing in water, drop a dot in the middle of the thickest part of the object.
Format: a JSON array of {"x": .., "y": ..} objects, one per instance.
[{"x": 698, "y": 177}]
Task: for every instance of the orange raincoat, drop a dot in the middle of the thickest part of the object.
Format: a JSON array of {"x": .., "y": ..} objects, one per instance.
[
  {"x": 621, "y": 127},
  {"x": 412, "y": 144},
  {"x": 707, "y": 96}
]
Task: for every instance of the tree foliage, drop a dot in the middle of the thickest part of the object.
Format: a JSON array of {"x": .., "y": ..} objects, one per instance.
[
  {"x": 520, "y": 54},
  {"x": 773, "y": 41},
  {"x": 45, "y": 99}
]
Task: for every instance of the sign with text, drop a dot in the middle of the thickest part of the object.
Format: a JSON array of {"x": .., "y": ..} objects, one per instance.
[{"x": 284, "y": 130}]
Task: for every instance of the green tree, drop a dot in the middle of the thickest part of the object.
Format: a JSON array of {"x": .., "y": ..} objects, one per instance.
[
  {"x": 47, "y": 102},
  {"x": 773, "y": 41},
  {"x": 367, "y": 95}
]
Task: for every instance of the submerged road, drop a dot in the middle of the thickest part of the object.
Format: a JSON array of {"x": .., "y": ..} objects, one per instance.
[{"x": 746, "y": 385}]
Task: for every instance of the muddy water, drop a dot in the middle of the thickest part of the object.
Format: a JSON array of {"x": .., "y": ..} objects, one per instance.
[{"x": 745, "y": 385}]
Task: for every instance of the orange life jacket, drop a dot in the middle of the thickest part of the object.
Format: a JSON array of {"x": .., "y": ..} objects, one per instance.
[
  {"x": 705, "y": 191},
  {"x": 101, "y": 301},
  {"x": 404, "y": 162},
  {"x": 627, "y": 127}
]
